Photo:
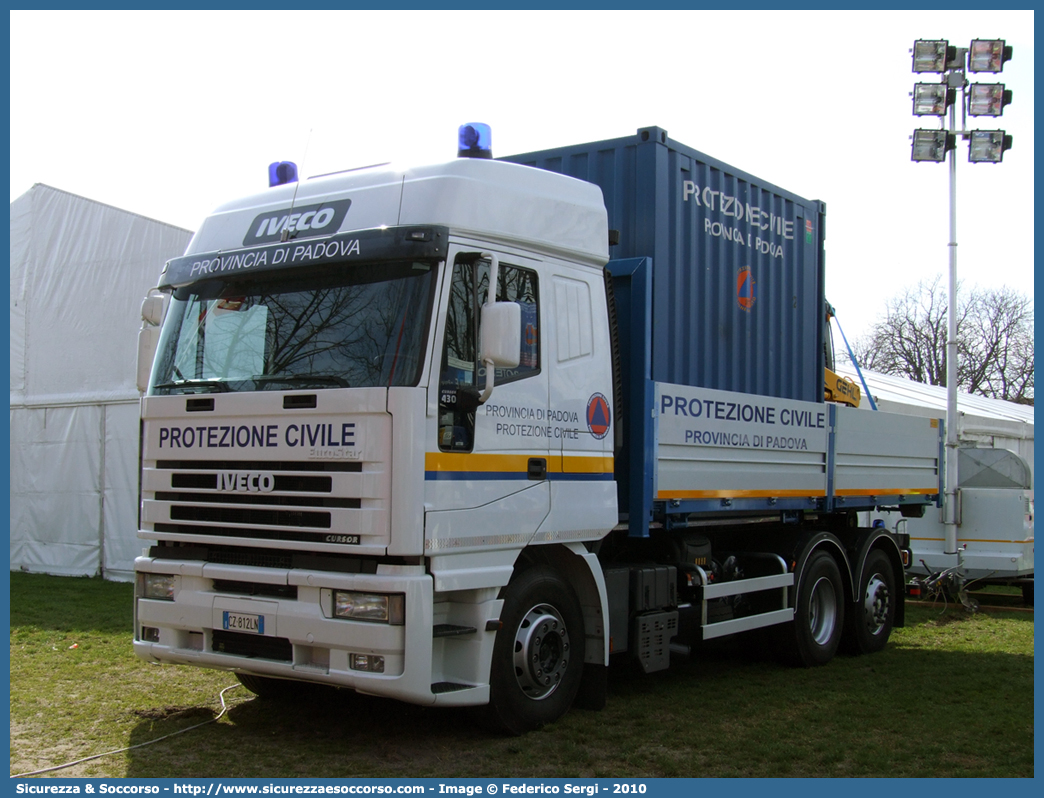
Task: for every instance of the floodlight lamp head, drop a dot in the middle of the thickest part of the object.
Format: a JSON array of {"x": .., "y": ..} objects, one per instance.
[
  {"x": 988, "y": 55},
  {"x": 987, "y": 99},
  {"x": 931, "y": 146},
  {"x": 932, "y": 99},
  {"x": 932, "y": 55},
  {"x": 988, "y": 146}
]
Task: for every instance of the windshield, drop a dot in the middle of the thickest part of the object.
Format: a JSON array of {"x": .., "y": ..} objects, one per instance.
[{"x": 363, "y": 326}]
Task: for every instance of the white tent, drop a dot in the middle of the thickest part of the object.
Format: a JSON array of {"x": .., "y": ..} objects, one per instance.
[{"x": 79, "y": 270}]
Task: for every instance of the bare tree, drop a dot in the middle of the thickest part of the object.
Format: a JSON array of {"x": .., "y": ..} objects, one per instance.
[{"x": 994, "y": 340}]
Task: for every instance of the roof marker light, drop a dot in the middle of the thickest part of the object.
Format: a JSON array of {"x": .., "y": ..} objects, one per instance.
[
  {"x": 282, "y": 172},
  {"x": 474, "y": 140}
]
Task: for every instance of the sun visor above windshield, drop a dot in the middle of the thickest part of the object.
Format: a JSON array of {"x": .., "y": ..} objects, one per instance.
[{"x": 390, "y": 243}]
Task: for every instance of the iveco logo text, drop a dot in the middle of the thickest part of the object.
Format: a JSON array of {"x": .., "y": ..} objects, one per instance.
[
  {"x": 248, "y": 481},
  {"x": 299, "y": 222}
]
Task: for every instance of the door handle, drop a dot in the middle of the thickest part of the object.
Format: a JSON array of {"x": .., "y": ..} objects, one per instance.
[{"x": 537, "y": 468}]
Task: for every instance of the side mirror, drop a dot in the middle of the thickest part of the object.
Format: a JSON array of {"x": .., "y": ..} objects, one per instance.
[
  {"x": 148, "y": 337},
  {"x": 152, "y": 310},
  {"x": 501, "y": 334}
]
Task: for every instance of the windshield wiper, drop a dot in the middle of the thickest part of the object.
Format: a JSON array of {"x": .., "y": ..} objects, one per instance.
[
  {"x": 191, "y": 385},
  {"x": 322, "y": 379}
]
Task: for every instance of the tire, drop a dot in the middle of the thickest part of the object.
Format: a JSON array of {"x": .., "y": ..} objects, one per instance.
[
  {"x": 1027, "y": 593},
  {"x": 538, "y": 656},
  {"x": 274, "y": 689},
  {"x": 870, "y": 619},
  {"x": 813, "y": 637}
]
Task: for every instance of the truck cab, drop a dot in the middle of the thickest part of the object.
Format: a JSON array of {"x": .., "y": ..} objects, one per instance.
[{"x": 347, "y": 443}]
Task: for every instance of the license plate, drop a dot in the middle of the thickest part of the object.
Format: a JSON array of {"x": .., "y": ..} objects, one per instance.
[{"x": 243, "y": 622}]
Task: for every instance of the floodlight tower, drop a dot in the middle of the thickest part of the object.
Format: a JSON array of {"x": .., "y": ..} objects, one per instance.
[{"x": 985, "y": 146}]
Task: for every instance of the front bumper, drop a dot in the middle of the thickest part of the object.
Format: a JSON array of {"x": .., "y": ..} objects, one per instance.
[{"x": 301, "y": 639}]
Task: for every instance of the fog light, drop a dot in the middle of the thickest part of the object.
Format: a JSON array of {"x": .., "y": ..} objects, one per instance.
[
  {"x": 158, "y": 586},
  {"x": 150, "y": 634},
  {"x": 377, "y": 607},
  {"x": 370, "y": 663}
]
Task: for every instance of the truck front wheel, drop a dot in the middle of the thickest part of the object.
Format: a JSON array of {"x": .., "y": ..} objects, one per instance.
[{"x": 538, "y": 656}]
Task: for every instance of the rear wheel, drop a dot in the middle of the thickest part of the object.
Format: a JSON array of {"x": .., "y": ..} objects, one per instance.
[
  {"x": 538, "y": 656},
  {"x": 871, "y": 618},
  {"x": 819, "y": 612}
]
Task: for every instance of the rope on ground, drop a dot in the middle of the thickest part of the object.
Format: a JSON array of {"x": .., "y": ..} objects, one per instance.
[{"x": 224, "y": 709}]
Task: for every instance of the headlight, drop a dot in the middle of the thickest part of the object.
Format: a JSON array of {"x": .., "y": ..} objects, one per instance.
[
  {"x": 158, "y": 586},
  {"x": 377, "y": 607}
]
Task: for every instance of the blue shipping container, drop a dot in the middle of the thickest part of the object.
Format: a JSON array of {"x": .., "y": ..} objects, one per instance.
[{"x": 737, "y": 288}]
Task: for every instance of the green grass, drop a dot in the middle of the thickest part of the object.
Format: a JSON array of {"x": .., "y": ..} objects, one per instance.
[{"x": 952, "y": 695}]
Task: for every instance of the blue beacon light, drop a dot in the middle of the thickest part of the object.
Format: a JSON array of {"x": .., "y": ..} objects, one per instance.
[
  {"x": 282, "y": 172},
  {"x": 474, "y": 140}
]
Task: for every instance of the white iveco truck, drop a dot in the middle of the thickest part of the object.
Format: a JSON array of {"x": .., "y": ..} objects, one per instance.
[{"x": 407, "y": 431}]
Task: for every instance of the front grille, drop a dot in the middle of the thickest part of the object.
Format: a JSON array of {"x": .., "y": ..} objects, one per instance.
[
  {"x": 248, "y": 532},
  {"x": 255, "y": 589},
  {"x": 267, "y": 558},
  {"x": 254, "y": 646},
  {"x": 259, "y": 498},
  {"x": 236, "y": 515},
  {"x": 288, "y": 483},
  {"x": 301, "y": 501}
]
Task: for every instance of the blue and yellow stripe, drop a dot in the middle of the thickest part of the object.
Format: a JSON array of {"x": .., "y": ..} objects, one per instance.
[{"x": 467, "y": 466}]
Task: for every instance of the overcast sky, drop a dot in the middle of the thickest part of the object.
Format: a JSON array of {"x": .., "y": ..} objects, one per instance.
[{"x": 169, "y": 114}]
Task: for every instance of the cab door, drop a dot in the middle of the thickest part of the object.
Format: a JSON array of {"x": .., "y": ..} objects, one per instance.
[{"x": 486, "y": 472}]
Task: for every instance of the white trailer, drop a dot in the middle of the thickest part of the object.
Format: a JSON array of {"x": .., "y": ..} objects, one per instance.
[{"x": 994, "y": 486}]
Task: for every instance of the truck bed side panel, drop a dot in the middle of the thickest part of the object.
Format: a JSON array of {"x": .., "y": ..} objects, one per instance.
[
  {"x": 719, "y": 451},
  {"x": 716, "y": 445},
  {"x": 885, "y": 454}
]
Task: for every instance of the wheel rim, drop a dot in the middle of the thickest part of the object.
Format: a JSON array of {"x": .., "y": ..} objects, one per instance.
[
  {"x": 541, "y": 651},
  {"x": 822, "y": 611},
  {"x": 876, "y": 602}
]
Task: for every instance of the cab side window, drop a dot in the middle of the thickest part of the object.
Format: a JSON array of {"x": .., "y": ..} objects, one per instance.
[{"x": 462, "y": 376}]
